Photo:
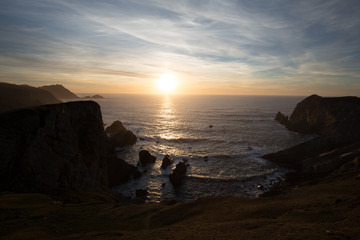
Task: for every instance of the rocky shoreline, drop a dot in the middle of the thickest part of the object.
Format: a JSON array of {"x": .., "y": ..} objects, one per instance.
[
  {"x": 61, "y": 157},
  {"x": 64, "y": 147}
]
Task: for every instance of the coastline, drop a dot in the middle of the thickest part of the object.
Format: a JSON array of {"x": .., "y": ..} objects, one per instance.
[{"x": 319, "y": 201}]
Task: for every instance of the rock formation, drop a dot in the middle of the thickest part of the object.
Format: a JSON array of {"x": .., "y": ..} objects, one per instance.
[
  {"x": 59, "y": 91},
  {"x": 282, "y": 119},
  {"x": 335, "y": 121},
  {"x": 167, "y": 161},
  {"x": 14, "y": 96},
  {"x": 178, "y": 174},
  {"x": 119, "y": 136},
  {"x": 97, "y": 96},
  {"x": 146, "y": 158},
  {"x": 324, "y": 116},
  {"x": 58, "y": 148}
]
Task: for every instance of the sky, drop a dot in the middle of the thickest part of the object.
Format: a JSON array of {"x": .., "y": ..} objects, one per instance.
[{"x": 252, "y": 47}]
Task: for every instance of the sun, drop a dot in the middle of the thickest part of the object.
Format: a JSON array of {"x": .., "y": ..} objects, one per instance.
[{"x": 167, "y": 83}]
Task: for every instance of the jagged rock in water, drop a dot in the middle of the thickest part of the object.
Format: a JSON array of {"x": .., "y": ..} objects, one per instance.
[
  {"x": 115, "y": 128},
  {"x": 178, "y": 174},
  {"x": 167, "y": 161},
  {"x": 119, "y": 135},
  {"x": 282, "y": 119},
  {"x": 145, "y": 157}
]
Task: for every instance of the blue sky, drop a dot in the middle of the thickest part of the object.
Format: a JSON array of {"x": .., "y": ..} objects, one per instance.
[{"x": 212, "y": 47}]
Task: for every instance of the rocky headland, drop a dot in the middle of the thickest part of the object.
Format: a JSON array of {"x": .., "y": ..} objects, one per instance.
[
  {"x": 57, "y": 149},
  {"x": 335, "y": 123}
]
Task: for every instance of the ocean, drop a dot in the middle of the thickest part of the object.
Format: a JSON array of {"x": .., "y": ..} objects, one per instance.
[{"x": 222, "y": 137}]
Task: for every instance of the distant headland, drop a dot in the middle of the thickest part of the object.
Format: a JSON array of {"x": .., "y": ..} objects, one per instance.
[
  {"x": 59, "y": 91},
  {"x": 13, "y": 96},
  {"x": 97, "y": 96}
]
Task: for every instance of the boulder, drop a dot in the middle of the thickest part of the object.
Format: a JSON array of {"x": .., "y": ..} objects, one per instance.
[
  {"x": 145, "y": 157},
  {"x": 178, "y": 174},
  {"x": 119, "y": 135},
  {"x": 166, "y": 161},
  {"x": 115, "y": 128},
  {"x": 122, "y": 139}
]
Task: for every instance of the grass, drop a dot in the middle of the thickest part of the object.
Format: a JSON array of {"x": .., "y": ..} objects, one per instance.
[{"x": 329, "y": 209}]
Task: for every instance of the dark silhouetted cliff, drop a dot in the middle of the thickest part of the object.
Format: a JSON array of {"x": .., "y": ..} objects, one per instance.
[
  {"x": 58, "y": 148},
  {"x": 59, "y": 91},
  {"x": 336, "y": 122},
  {"x": 324, "y": 116},
  {"x": 14, "y": 96}
]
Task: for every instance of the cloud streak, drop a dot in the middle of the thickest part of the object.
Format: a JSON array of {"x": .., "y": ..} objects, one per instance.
[{"x": 274, "y": 43}]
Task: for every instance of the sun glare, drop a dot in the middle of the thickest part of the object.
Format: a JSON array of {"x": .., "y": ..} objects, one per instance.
[{"x": 167, "y": 83}]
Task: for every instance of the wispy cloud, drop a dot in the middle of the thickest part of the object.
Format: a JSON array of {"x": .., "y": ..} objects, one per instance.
[{"x": 244, "y": 42}]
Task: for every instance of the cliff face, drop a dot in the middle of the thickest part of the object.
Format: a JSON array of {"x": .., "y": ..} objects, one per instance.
[
  {"x": 55, "y": 148},
  {"x": 325, "y": 116},
  {"x": 14, "y": 96},
  {"x": 336, "y": 121}
]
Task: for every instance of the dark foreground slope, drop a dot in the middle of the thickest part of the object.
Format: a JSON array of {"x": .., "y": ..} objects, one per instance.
[
  {"x": 59, "y": 91},
  {"x": 14, "y": 96},
  {"x": 329, "y": 209}
]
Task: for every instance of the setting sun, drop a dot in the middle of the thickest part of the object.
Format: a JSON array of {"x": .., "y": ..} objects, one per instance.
[{"x": 167, "y": 82}]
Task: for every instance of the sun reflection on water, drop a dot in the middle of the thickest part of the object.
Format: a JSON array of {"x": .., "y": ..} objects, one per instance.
[{"x": 167, "y": 120}]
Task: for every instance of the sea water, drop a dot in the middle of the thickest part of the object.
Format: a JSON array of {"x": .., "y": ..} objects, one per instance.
[{"x": 222, "y": 138}]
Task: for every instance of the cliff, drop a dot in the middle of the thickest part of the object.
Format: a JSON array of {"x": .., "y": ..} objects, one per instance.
[
  {"x": 14, "y": 96},
  {"x": 58, "y": 148},
  {"x": 324, "y": 116},
  {"x": 59, "y": 91},
  {"x": 335, "y": 121}
]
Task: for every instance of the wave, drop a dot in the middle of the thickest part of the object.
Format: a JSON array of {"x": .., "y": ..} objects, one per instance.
[
  {"x": 271, "y": 175},
  {"x": 184, "y": 140}
]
